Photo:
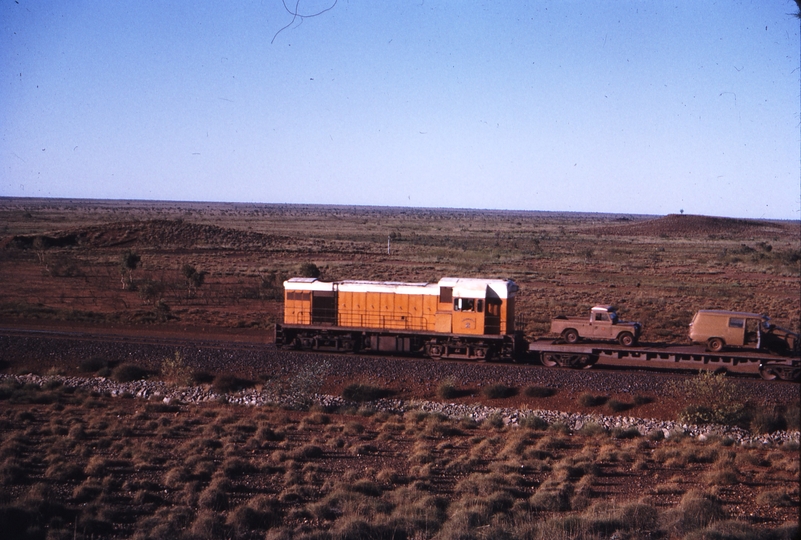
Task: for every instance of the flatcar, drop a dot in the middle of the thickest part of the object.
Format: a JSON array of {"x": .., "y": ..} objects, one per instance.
[{"x": 463, "y": 318}]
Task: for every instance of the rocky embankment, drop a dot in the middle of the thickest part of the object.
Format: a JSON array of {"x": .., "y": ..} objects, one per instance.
[{"x": 170, "y": 394}]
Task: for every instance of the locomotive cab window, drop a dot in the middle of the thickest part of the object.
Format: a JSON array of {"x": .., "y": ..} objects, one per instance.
[
  {"x": 464, "y": 304},
  {"x": 445, "y": 295}
]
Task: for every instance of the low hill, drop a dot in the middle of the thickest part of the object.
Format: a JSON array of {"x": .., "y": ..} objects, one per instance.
[{"x": 675, "y": 225}]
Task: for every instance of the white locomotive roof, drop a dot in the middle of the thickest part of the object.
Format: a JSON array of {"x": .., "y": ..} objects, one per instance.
[
  {"x": 307, "y": 284},
  {"x": 462, "y": 287},
  {"x": 477, "y": 288}
]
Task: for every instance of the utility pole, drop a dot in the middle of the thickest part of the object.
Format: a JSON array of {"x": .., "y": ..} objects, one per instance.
[{"x": 388, "y": 237}]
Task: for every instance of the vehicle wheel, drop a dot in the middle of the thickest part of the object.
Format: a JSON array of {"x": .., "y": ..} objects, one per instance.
[
  {"x": 570, "y": 336},
  {"x": 626, "y": 339},
  {"x": 767, "y": 373},
  {"x": 715, "y": 344},
  {"x": 546, "y": 359}
]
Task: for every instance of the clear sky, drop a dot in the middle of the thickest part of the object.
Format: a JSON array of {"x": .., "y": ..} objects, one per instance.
[{"x": 645, "y": 107}]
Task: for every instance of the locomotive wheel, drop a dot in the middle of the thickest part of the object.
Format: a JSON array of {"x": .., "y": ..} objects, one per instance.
[
  {"x": 570, "y": 336},
  {"x": 547, "y": 360},
  {"x": 715, "y": 344},
  {"x": 434, "y": 350},
  {"x": 767, "y": 373},
  {"x": 590, "y": 362},
  {"x": 626, "y": 339}
]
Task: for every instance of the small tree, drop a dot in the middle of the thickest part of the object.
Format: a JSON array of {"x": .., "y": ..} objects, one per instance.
[
  {"x": 194, "y": 279},
  {"x": 309, "y": 270},
  {"x": 128, "y": 263},
  {"x": 40, "y": 245},
  {"x": 713, "y": 399},
  {"x": 151, "y": 292}
]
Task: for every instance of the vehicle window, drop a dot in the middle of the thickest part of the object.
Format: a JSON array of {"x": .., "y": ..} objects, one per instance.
[
  {"x": 735, "y": 322},
  {"x": 480, "y": 306},
  {"x": 601, "y": 317},
  {"x": 464, "y": 304},
  {"x": 445, "y": 295}
]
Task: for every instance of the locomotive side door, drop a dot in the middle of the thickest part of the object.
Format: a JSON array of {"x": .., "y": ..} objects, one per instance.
[
  {"x": 323, "y": 307},
  {"x": 492, "y": 317}
]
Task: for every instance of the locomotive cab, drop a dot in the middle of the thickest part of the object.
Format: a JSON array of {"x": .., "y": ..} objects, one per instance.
[{"x": 476, "y": 306}]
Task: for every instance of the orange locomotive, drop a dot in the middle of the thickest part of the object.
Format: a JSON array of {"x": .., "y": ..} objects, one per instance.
[{"x": 454, "y": 318}]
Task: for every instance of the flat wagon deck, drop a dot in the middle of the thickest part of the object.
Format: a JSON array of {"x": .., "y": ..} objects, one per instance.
[{"x": 552, "y": 353}]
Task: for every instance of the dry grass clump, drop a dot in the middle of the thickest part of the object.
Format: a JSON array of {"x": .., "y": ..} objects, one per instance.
[
  {"x": 778, "y": 497},
  {"x": 696, "y": 510}
]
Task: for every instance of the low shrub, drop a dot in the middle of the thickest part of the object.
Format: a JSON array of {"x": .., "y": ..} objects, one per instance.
[
  {"x": 447, "y": 390},
  {"x": 591, "y": 400},
  {"x": 615, "y": 405},
  {"x": 539, "y": 391},
  {"x": 92, "y": 365},
  {"x": 128, "y": 373},
  {"x": 533, "y": 421},
  {"x": 626, "y": 433},
  {"x": 767, "y": 422},
  {"x": 498, "y": 391},
  {"x": 713, "y": 399},
  {"x": 591, "y": 429},
  {"x": 227, "y": 383},
  {"x": 493, "y": 421},
  {"x": 364, "y": 392}
]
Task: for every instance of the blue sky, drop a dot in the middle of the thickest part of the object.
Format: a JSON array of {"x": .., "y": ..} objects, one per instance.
[{"x": 643, "y": 107}]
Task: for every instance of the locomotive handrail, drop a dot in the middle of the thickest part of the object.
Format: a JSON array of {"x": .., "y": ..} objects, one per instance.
[{"x": 363, "y": 320}]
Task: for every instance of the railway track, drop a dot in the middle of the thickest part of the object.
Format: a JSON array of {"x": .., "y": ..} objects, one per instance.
[{"x": 41, "y": 350}]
